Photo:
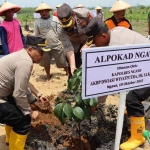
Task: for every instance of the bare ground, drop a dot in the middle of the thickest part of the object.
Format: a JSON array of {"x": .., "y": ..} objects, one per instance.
[{"x": 58, "y": 83}]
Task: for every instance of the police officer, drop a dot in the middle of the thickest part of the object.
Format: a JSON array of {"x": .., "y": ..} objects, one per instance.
[
  {"x": 72, "y": 34},
  {"x": 15, "y": 110},
  {"x": 102, "y": 36},
  {"x": 118, "y": 19}
]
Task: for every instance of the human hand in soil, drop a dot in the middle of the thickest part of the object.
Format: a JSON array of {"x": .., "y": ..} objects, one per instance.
[
  {"x": 34, "y": 114},
  {"x": 42, "y": 98},
  {"x": 41, "y": 105}
]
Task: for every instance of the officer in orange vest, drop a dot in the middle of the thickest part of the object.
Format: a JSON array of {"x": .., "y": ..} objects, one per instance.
[{"x": 118, "y": 18}]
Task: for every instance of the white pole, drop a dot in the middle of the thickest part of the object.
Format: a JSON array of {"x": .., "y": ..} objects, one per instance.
[{"x": 120, "y": 119}]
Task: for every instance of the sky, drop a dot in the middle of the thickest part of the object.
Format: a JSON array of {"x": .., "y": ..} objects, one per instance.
[{"x": 72, "y": 3}]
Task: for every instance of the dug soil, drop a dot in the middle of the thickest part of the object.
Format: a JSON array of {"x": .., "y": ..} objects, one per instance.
[{"x": 47, "y": 133}]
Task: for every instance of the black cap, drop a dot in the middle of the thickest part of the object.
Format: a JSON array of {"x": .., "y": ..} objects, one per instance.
[
  {"x": 93, "y": 28},
  {"x": 65, "y": 13},
  {"x": 38, "y": 42}
]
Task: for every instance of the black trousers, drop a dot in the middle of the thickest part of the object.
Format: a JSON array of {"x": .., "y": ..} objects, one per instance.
[
  {"x": 134, "y": 100},
  {"x": 12, "y": 116}
]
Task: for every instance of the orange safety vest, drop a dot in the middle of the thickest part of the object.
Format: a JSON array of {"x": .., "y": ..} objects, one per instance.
[{"x": 111, "y": 23}]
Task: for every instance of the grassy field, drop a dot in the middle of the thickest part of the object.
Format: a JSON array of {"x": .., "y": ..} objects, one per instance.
[
  {"x": 140, "y": 26},
  {"x": 136, "y": 15}
]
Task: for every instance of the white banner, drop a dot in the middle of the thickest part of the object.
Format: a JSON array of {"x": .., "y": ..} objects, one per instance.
[
  {"x": 108, "y": 70},
  {"x": 36, "y": 15}
]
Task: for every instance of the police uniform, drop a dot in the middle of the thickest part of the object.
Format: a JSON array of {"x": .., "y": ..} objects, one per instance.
[
  {"x": 75, "y": 38},
  {"x": 15, "y": 96},
  {"x": 123, "y": 36},
  {"x": 134, "y": 106},
  {"x": 15, "y": 72},
  {"x": 120, "y": 36}
]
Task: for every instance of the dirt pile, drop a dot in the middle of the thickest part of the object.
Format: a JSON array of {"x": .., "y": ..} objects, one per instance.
[{"x": 96, "y": 134}]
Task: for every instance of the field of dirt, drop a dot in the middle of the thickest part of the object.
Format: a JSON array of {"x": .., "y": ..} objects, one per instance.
[{"x": 58, "y": 135}]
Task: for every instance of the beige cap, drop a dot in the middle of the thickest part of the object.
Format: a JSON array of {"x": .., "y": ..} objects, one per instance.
[
  {"x": 98, "y": 7},
  {"x": 79, "y": 6},
  {"x": 43, "y": 6},
  {"x": 58, "y": 6},
  {"x": 119, "y": 5},
  {"x": 8, "y": 5}
]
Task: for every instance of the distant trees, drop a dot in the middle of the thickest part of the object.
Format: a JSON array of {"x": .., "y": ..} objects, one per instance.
[
  {"x": 138, "y": 12},
  {"x": 27, "y": 10}
]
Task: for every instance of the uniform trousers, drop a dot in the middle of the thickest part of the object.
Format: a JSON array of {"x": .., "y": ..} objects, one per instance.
[
  {"x": 12, "y": 116},
  {"x": 134, "y": 101}
]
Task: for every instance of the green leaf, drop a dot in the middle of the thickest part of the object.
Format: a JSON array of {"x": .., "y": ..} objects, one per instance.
[
  {"x": 77, "y": 85},
  {"x": 93, "y": 102},
  {"x": 78, "y": 72},
  {"x": 78, "y": 98},
  {"x": 87, "y": 101},
  {"x": 63, "y": 118},
  {"x": 87, "y": 112},
  {"x": 67, "y": 109},
  {"x": 75, "y": 119},
  {"x": 71, "y": 82},
  {"x": 58, "y": 110},
  {"x": 69, "y": 99},
  {"x": 80, "y": 78},
  {"x": 78, "y": 112}
]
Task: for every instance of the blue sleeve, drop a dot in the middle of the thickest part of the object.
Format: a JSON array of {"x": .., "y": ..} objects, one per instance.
[
  {"x": 3, "y": 36},
  {"x": 23, "y": 38}
]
